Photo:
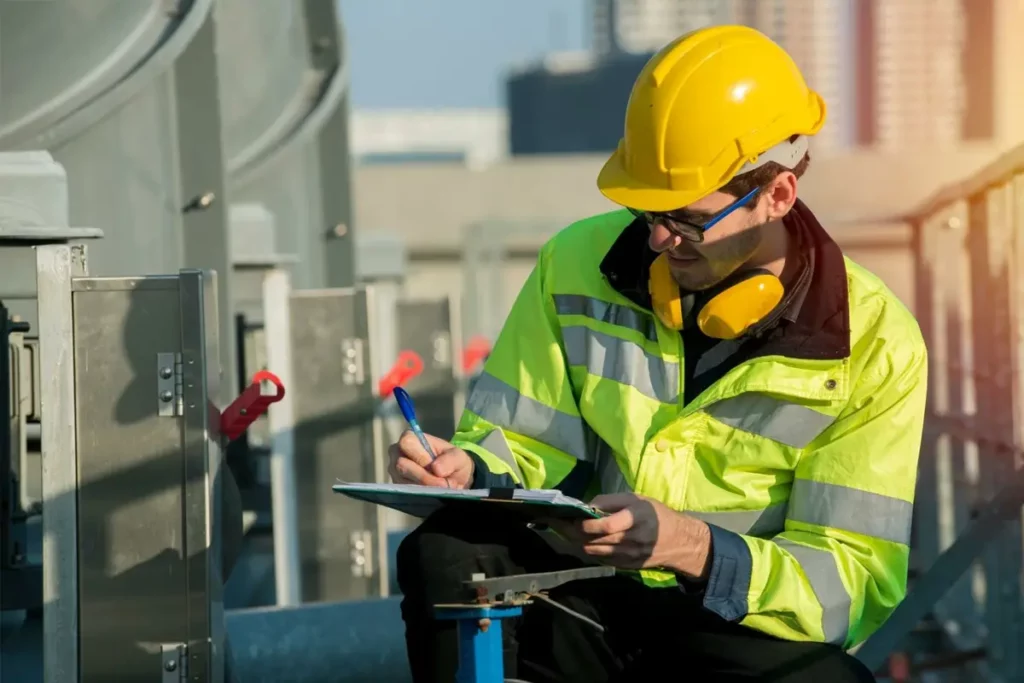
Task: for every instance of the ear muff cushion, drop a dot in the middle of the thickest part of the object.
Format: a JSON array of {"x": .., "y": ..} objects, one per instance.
[
  {"x": 665, "y": 298},
  {"x": 741, "y": 305}
]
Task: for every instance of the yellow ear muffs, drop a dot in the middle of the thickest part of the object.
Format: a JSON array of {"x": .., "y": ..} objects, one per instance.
[
  {"x": 731, "y": 312},
  {"x": 665, "y": 299}
]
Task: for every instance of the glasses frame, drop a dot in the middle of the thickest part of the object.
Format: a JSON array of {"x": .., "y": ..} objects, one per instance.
[{"x": 693, "y": 232}]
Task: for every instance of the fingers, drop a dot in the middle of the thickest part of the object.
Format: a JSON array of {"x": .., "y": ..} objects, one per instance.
[
  {"x": 449, "y": 462},
  {"x": 618, "y": 522},
  {"x": 410, "y": 447},
  {"x": 405, "y": 471},
  {"x": 613, "y": 502}
]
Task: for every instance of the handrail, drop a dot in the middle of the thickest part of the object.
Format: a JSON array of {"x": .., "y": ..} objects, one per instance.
[{"x": 995, "y": 173}]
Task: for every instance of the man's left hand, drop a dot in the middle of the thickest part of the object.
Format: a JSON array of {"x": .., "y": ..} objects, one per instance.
[{"x": 641, "y": 533}]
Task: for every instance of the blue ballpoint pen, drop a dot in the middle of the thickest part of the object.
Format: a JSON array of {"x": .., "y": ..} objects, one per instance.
[{"x": 409, "y": 413}]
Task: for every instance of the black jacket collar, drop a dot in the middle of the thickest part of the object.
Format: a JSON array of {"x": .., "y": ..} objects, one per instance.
[{"x": 821, "y": 330}]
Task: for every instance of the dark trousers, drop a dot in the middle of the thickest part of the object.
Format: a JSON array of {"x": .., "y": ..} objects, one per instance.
[{"x": 651, "y": 634}]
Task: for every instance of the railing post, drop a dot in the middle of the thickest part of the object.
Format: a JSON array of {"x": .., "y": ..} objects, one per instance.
[{"x": 994, "y": 295}]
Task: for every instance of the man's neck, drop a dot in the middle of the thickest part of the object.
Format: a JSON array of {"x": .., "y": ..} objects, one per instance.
[{"x": 774, "y": 249}]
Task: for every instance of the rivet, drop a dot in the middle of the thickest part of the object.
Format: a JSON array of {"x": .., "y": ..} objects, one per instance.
[{"x": 830, "y": 384}]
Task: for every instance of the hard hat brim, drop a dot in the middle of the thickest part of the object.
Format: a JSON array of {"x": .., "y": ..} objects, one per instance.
[{"x": 615, "y": 183}]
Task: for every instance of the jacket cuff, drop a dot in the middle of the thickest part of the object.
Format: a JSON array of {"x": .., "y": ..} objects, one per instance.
[
  {"x": 729, "y": 575},
  {"x": 483, "y": 478}
]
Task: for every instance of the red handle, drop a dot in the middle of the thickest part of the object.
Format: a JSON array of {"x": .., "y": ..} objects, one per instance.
[
  {"x": 477, "y": 349},
  {"x": 248, "y": 407},
  {"x": 408, "y": 365}
]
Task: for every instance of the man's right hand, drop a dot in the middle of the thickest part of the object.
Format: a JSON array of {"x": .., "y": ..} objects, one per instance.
[{"x": 409, "y": 463}]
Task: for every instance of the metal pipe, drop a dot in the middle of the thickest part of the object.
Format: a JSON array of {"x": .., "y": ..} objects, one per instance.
[
  {"x": 283, "y": 496},
  {"x": 346, "y": 642}
]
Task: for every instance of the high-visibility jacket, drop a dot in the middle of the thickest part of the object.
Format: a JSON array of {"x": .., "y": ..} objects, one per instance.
[{"x": 801, "y": 459}]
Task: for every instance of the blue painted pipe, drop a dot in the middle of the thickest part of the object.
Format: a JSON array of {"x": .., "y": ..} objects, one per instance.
[{"x": 346, "y": 642}]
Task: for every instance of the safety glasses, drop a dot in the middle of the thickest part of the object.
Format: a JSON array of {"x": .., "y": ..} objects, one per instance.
[{"x": 690, "y": 230}]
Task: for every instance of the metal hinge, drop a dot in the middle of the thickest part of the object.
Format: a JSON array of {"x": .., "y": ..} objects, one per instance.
[
  {"x": 353, "y": 372},
  {"x": 170, "y": 385},
  {"x": 361, "y": 546},
  {"x": 442, "y": 343},
  {"x": 174, "y": 663}
]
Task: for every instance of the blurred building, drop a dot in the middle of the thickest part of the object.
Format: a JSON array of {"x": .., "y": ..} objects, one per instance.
[
  {"x": 476, "y": 137},
  {"x": 565, "y": 106},
  {"x": 895, "y": 73}
]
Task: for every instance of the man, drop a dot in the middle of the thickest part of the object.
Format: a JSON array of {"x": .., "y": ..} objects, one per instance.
[{"x": 707, "y": 368}]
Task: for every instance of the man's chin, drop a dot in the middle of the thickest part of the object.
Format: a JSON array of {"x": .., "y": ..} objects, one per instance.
[{"x": 693, "y": 282}]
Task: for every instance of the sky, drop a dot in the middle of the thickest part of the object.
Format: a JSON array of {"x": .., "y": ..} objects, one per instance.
[{"x": 451, "y": 53}]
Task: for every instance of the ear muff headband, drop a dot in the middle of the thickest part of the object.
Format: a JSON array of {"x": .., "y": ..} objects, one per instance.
[{"x": 727, "y": 312}]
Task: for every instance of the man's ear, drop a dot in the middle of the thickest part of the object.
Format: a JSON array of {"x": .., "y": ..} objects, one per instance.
[{"x": 781, "y": 195}]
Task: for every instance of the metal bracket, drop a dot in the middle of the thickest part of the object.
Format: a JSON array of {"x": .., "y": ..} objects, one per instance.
[
  {"x": 353, "y": 370},
  {"x": 169, "y": 385},
  {"x": 173, "y": 663},
  {"x": 361, "y": 545},
  {"x": 506, "y": 588}
]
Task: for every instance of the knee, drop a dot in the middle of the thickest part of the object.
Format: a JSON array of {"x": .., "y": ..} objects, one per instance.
[
  {"x": 435, "y": 559},
  {"x": 425, "y": 555}
]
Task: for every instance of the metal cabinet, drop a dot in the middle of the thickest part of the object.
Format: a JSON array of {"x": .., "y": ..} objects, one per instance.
[
  {"x": 426, "y": 327},
  {"x": 131, "y": 475},
  {"x": 337, "y": 435}
]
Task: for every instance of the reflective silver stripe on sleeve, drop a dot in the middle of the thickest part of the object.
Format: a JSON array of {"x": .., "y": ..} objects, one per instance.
[
  {"x": 765, "y": 522},
  {"x": 819, "y": 566},
  {"x": 495, "y": 443},
  {"x": 850, "y": 509},
  {"x": 616, "y": 314},
  {"x": 788, "y": 423},
  {"x": 609, "y": 474},
  {"x": 622, "y": 361},
  {"x": 503, "y": 406}
]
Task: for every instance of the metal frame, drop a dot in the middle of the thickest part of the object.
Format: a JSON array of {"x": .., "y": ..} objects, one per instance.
[
  {"x": 203, "y": 469},
  {"x": 204, "y": 221},
  {"x": 56, "y": 266},
  {"x": 277, "y": 334}
]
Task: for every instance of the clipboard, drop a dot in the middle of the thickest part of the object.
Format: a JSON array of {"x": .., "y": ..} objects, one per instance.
[{"x": 422, "y": 501}]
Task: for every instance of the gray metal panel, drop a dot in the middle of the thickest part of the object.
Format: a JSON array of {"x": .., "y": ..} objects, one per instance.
[
  {"x": 334, "y": 407},
  {"x": 327, "y": 54},
  {"x": 148, "y": 484},
  {"x": 425, "y": 326},
  {"x": 122, "y": 175},
  {"x": 247, "y": 289},
  {"x": 290, "y": 188},
  {"x": 201, "y": 174},
  {"x": 130, "y": 479},
  {"x": 262, "y": 67},
  {"x": 48, "y": 58}
]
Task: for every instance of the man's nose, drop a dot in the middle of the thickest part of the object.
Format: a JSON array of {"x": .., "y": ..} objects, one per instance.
[{"x": 662, "y": 239}]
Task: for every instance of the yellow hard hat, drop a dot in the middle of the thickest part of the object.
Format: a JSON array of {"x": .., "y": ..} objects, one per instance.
[{"x": 713, "y": 103}]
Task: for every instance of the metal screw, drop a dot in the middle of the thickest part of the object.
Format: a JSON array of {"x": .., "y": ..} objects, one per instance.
[
  {"x": 170, "y": 665},
  {"x": 166, "y": 396},
  {"x": 166, "y": 373}
]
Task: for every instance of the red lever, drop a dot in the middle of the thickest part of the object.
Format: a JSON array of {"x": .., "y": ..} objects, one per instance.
[
  {"x": 247, "y": 408},
  {"x": 408, "y": 365},
  {"x": 477, "y": 349}
]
